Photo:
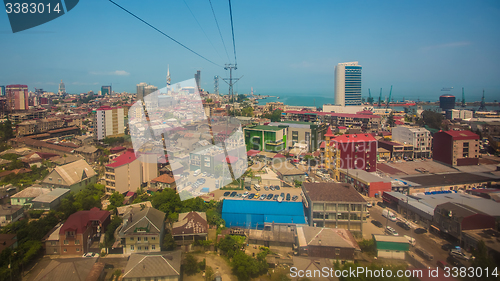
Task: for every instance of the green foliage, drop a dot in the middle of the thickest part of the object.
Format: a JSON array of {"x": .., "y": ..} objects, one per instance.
[
  {"x": 110, "y": 231},
  {"x": 86, "y": 199},
  {"x": 432, "y": 119},
  {"x": 297, "y": 183},
  {"x": 368, "y": 246},
  {"x": 390, "y": 120},
  {"x": 35, "y": 214},
  {"x": 10, "y": 156},
  {"x": 168, "y": 242},
  {"x": 247, "y": 111},
  {"x": 231, "y": 244},
  {"x": 203, "y": 243},
  {"x": 209, "y": 274},
  {"x": 246, "y": 267},
  {"x": 6, "y": 131},
  {"x": 25, "y": 179},
  {"x": 275, "y": 116},
  {"x": 115, "y": 200},
  {"x": 191, "y": 265},
  {"x": 113, "y": 141},
  {"x": 483, "y": 261}
]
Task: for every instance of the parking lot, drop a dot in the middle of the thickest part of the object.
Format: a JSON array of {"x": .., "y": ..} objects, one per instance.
[{"x": 245, "y": 194}]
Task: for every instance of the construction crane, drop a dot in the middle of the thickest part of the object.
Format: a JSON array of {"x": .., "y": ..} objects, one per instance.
[
  {"x": 370, "y": 99},
  {"x": 389, "y": 100},
  {"x": 380, "y": 99},
  {"x": 463, "y": 97},
  {"x": 482, "y": 107}
]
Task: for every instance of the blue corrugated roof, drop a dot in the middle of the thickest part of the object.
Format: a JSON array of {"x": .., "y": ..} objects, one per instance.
[{"x": 250, "y": 214}]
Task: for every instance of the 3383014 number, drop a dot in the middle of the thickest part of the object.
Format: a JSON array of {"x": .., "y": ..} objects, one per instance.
[
  {"x": 470, "y": 272},
  {"x": 33, "y": 8}
]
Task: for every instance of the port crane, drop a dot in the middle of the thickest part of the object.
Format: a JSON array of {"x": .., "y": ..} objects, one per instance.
[
  {"x": 380, "y": 99},
  {"x": 389, "y": 100}
]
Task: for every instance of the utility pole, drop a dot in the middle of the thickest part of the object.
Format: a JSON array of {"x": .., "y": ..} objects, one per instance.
[{"x": 231, "y": 79}]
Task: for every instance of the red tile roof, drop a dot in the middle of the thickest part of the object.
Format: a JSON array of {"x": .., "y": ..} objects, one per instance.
[
  {"x": 164, "y": 178},
  {"x": 329, "y": 132},
  {"x": 279, "y": 155},
  {"x": 126, "y": 158},
  {"x": 79, "y": 221},
  {"x": 354, "y": 138},
  {"x": 252, "y": 152}
]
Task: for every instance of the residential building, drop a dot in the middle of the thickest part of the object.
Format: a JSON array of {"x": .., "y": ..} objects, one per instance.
[
  {"x": 109, "y": 122},
  {"x": 303, "y": 133},
  {"x": 80, "y": 229},
  {"x": 106, "y": 90},
  {"x": 289, "y": 173},
  {"x": 128, "y": 172},
  {"x": 459, "y": 114},
  {"x": 391, "y": 247},
  {"x": 332, "y": 243},
  {"x": 419, "y": 138},
  {"x": 74, "y": 176},
  {"x": 453, "y": 218},
  {"x": 359, "y": 119},
  {"x": 164, "y": 181},
  {"x": 51, "y": 200},
  {"x": 456, "y": 148},
  {"x": 8, "y": 240},
  {"x": 17, "y": 97},
  {"x": 26, "y": 195},
  {"x": 267, "y": 138},
  {"x": 348, "y": 84},
  {"x": 10, "y": 214},
  {"x": 142, "y": 231},
  {"x": 190, "y": 227},
  {"x": 356, "y": 151},
  {"x": 153, "y": 266},
  {"x": 334, "y": 205},
  {"x": 89, "y": 152},
  {"x": 398, "y": 151},
  {"x": 314, "y": 266},
  {"x": 273, "y": 235},
  {"x": 65, "y": 269}
]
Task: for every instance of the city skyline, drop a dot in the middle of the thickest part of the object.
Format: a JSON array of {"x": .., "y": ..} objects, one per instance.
[{"x": 283, "y": 48}]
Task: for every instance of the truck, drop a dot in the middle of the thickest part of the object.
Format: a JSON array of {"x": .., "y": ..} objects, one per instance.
[{"x": 388, "y": 214}]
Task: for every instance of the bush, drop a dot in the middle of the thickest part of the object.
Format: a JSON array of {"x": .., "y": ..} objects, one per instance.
[{"x": 191, "y": 265}]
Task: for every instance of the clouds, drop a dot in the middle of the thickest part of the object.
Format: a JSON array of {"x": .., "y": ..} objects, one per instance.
[
  {"x": 447, "y": 45},
  {"x": 115, "y": 73}
]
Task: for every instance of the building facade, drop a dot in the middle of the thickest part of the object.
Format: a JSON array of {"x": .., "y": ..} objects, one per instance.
[
  {"x": 419, "y": 138},
  {"x": 142, "y": 231},
  {"x": 267, "y": 138},
  {"x": 17, "y": 97},
  {"x": 109, "y": 122},
  {"x": 334, "y": 205},
  {"x": 456, "y": 148},
  {"x": 303, "y": 132},
  {"x": 348, "y": 83},
  {"x": 356, "y": 151}
]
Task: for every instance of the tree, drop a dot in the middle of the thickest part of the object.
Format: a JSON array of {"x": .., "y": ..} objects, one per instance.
[
  {"x": 275, "y": 116},
  {"x": 390, "y": 120},
  {"x": 209, "y": 274},
  {"x": 110, "y": 231},
  {"x": 432, "y": 119},
  {"x": 190, "y": 265},
  {"x": 482, "y": 260},
  {"x": 115, "y": 200},
  {"x": 168, "y": 242}
]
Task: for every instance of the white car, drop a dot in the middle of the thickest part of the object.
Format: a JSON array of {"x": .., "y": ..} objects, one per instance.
[
  {"x": 369, "y": 205},
  {"x": 90, "y": 255},
  {"x": 391, "y": 231},
  {"x": 245, "y": 195}
]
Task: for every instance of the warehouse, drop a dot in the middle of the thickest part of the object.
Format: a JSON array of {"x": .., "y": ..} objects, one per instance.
[
  {"x": 391, "y": 247},
  {"x": 255, "y": 214}
]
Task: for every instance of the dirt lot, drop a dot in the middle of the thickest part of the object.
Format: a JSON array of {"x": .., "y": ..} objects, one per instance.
[{"x": 217, "y": 263}]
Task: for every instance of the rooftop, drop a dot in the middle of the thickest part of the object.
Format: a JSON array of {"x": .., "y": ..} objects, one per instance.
[
  {"x": 78, "y": 221},
  {"x": 264, "y": 128},
  {"x": 51, "y": 196},
  {"x": 191, "y": 223},
  {"x": 328, "y": 237},
  {"x": 126, "y": 158},
  {"x": 332, "y": 192},
  {"x": 150, "y": 265},
  {"x": 390, "y": 238},
  {"x": 31, "y": 192},
  {"x": 354, "y": 138},
  {"x": 149, "y": 218}
]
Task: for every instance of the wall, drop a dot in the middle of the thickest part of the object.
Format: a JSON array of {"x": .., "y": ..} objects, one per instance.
[{"x": 442, "y": 148}]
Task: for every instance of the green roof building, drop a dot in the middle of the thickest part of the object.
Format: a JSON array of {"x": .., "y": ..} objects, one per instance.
[
  {"x": 391, "y": 247},
  {"x": 265, "y": 138}
]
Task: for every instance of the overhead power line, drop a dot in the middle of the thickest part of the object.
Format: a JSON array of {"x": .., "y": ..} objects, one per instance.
[
  {"x": 220, "y": 33},
  {"x": 232, "y": 31},
  {"x": 132, "y": 14}
]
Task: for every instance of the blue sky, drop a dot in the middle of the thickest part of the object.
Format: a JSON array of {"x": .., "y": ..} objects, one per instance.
[{"x": 283, "y": 47}]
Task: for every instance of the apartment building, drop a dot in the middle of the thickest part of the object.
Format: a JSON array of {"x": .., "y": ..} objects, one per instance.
[
  {"x": 419, "y": 138},
  {"x": 142, "y": 231},
  {"x": 456, "y": 148},
  {"x": 109, "y": 122}
]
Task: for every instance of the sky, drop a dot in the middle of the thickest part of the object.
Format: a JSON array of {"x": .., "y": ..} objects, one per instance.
[{"x": 282, "y": 47}]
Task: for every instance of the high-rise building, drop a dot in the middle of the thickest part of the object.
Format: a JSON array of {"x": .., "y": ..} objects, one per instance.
[
  {"x": 62, "y": 88},
  {"x": 17, "y": 97},
  {"x": 2, "y": 91},
  {"x": 106, "y": 90},
  {"x": 149, "y": 89},
  {"x": 348, "y": 84},
  {"x": 140, "y": 90},
  {"x": 109, "y": 122},
  {"x": 197, "y": 78}
]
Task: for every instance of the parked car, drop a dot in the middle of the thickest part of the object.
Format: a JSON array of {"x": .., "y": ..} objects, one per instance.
[
  {"x": 411, "y": 240},
  {"x": 377, "y": 223},
  {"x": 447, "y": 247},
  {"x": 288, "y": 197},
  {"x": 272, "y": 188},
  {"x": 248, "y": 188},
  {"x": 295, "y": 197},
  {"x": 391, "y": 231},
  {"x": 423, "y": 253},
  {"x": 454, "y": 262},
  {"x": 276, "y": 197},
  {"x": 282, "y": 195},
  {"x": 251, "y": 196},
  {"x": 269, "y": 196},
  {"x": 226, "y": 193},
  {"x": 442, "y": 264},
  {"x": 403, "y": 225},
  {"x": 459, "y": 254},
  {"x": 90, "y": 255},
  {"x": 369, "y": 205},
  {"x": 420, "y": 231},
  {"x": 277, "y": 187},
  {"x": 263, "y": 196},
  {"x": 233, "y": 193},
  {"x": 245, "y": 195},
  {"x": 257, "y": 187},
  {"x": 266, "y": 188}
]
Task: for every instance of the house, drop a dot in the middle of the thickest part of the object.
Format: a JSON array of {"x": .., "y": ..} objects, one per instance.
[
  {"x": 8, "y": 240},
  {"x": 26, "y": 195},
  {"x": 10, "y": 213},
  {"x": 89, "y": 152},
  {"x": 190, "y": 227},
  {"x": 368, "y": 184},
  {"x": 310, "y": 269},
  {"x": 78, "y": 231},
  {"x": 397, "y": 150},
  {"x": 356, "y": 151},
  {"x": 51, "y": 241},
  {"x": 391, "y": 247},
  {"x": 36, "y": 158},
  {"x": 334, "y": 205},
  {"x": 51, "y": 200},
  {"x": 419, "y": 138},
  {"x": 332, "y": 243},
  {"x": 153, "y": 266},
  {"x": 74, "y": 176},
  {"x": 87, "y": 269},
  {"x": 142, "y": 231},
  {"x": 274, "y": 235},
  {"x": 289, "y": 173},
  {"x": 164, "y": 181}
]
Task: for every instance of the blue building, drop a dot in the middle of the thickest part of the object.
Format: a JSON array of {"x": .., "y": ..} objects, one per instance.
[{"x": 254, "y": 214}]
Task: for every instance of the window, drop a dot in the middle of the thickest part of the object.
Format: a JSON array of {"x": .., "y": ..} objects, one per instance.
[
  {"x": 466, "y": 144},
  {"x": 146, "y": 248},
  {"x": 131, "y": 247},
  {"x": 77, "y": 242},
  {"x": 153, "y": 238},
  {"x": 78, "y": 249},
  {"x": 65, "y": 242},
  {"x": 317, "y": 207},
  {"x": 139, "y": 248},
  {"x": 145, "y": 239},
  {"x": 55, "y": 251},
  {"x": 53, "y": 243},
  {"x": 131, "y": 238},
  {"x": 153, "y": 247},
  {"x": 138, "y": 238},
  {"x": 65, "y": 250},
  {"x": 343, "y": 207},
  {"x": 337, "y": 251},
  {"x": 317, "y": 215}
]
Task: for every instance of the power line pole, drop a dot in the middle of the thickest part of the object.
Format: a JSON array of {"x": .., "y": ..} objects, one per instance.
[{"x": 231, "y": 79}]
